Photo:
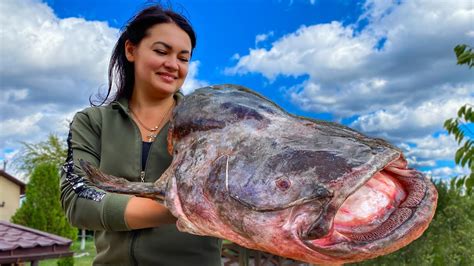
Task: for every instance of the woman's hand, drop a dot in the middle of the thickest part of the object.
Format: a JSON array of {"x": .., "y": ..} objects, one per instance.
[{"x": 145, "y": 213}]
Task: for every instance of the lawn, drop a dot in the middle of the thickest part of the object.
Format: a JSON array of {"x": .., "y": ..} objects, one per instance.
[{"x": 85, "y": 260}]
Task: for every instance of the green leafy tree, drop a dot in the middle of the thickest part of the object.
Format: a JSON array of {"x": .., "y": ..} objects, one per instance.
[
  {"x": 42, "y": 208},
  {"x": 464, "y": 55},
  {"x": 53, "y": 150},
  {"x": 464, "y": 156},
  {"x": 459, "y": 126}
]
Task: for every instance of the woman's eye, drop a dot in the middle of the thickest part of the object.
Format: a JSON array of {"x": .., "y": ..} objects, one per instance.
[
  {"x": 183, "y": 59},
  {"x": 161, "y": 52}
]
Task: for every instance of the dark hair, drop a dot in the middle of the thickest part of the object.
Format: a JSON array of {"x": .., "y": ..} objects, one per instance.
[{"x": 121, "y": 71}]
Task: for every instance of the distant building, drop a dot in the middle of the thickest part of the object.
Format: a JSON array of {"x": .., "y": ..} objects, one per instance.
[{"x": 11, "y": 189}]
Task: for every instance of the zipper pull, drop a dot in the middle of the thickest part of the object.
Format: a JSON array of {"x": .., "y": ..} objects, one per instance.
[{"x": 142, "y": 176}]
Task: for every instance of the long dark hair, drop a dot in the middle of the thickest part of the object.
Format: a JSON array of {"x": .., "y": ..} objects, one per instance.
[{"x": 121, "y": 71}]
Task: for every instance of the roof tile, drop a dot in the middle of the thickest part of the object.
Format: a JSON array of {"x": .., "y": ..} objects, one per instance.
[{"x": 14, "y": 236}]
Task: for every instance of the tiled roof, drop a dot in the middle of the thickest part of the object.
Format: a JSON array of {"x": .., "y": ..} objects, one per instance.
[{"x": 19, "y": 243}]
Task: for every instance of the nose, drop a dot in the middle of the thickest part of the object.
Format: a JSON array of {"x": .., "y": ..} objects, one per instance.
[{"x": 171, "y": 63}]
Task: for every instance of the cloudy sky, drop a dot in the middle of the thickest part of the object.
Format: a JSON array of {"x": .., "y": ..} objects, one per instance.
[{"x": 383, "y": 67}]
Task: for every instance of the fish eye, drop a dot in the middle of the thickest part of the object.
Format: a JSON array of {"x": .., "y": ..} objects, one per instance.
[{"x": 283, "y": 184}]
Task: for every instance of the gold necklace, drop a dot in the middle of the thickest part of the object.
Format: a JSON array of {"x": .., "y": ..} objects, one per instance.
[{"x": 154, "y": 130}]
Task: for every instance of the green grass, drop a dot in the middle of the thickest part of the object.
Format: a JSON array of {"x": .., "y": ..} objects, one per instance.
[{"x": 82, "y": 261}]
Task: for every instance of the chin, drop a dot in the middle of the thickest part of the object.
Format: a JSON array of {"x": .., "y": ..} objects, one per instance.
[{"x": 165, "y": 89}]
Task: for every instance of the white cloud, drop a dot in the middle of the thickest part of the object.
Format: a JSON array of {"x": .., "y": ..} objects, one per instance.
[
  {"x": 24, "y": 126},
  {"x": 13, "y": 95},
  {"x": 191, "y": 82},
  {"x": 414, "y": 162},
  {"x": 447, "y": 172},
  {"x": 315, "y": 50},
  {"x": 48, "y": 69},
  {"x": 425, "y": 151},
  {"x": 263, "y": 37},
  {"x": 42, "y": 49},
  {"x": 376, "y": 9},
  {"x": 7, "y": 157},
  {"x": 389, "y": 73},
  {"x": 414, "y": 121},
  {"x": 397, "y": 74},
  {"x": 236, "y": 56},
  {"x": 312, "y": 96}
]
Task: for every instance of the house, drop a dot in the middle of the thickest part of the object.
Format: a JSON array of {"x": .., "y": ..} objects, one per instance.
[{"x": 10, "y": 191}]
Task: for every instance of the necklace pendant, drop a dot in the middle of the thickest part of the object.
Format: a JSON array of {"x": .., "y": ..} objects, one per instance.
[{"x": 151, "y": 137}]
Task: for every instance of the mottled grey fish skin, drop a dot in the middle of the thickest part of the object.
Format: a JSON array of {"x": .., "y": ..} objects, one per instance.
[
  {"x": 249, "y": 136},
  {"x": 245, "y": 170}
]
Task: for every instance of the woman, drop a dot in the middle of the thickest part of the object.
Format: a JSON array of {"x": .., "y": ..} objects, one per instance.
[{"x": 149, "y": 64}]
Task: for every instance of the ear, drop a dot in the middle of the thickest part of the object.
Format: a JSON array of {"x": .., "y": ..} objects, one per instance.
[{"x": 129, "y": 51}]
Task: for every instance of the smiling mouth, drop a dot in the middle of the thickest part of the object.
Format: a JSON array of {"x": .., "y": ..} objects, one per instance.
[
  {"x": 393, "y": 198},
  {"x": 167, "y": 77}
]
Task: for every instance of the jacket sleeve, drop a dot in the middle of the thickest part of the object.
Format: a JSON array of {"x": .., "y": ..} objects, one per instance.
[{"x": 87, "y": 206}]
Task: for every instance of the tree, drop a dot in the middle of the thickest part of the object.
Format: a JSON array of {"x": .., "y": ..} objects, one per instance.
[
  {"x": 42, "y": 208},
  {"x": 459, "y": 126},
  {"x": 464, "y": 155},
  {"x": 53, "y": 150},
  {"x": 464, "y": 55}
]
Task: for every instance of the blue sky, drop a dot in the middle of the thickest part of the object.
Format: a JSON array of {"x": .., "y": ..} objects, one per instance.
[{"x": 383, "y": 67}]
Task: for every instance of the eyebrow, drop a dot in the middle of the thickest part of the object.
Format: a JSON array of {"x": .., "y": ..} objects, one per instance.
[{"x": 170, "y": 47}]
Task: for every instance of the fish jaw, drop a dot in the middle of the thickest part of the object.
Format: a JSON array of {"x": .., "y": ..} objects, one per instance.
[{"x": 389, "y": 211}]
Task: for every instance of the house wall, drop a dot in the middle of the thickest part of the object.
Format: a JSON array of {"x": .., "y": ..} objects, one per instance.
[{"x": 10, "y": 194}]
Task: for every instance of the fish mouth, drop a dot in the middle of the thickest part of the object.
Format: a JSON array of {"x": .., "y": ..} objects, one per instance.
[{"x": 388, "y": 211}]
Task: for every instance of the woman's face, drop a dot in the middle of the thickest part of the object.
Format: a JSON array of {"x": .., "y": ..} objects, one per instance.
[{"x": 161, "y": 59}]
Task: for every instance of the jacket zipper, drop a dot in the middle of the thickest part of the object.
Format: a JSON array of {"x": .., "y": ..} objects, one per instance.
[
  {"x": 137, "y": 130},
  {"x": 136, "y": 233},
  {"x": 142, "y": 174}
]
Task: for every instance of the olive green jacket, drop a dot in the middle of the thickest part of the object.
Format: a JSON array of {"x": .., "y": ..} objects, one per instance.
[{"x": 109, "y": 139}]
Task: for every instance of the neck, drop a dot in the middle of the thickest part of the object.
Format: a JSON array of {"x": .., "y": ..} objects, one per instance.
[
  {"x": 151, "y": 106},
  {"x": 151, "y": 111},
  {"x": 142, "y": 104},
  {"x": 150, "y": 114}
]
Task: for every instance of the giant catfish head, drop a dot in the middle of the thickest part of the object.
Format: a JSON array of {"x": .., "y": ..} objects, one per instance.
[{"x": 245, "y": 170}]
